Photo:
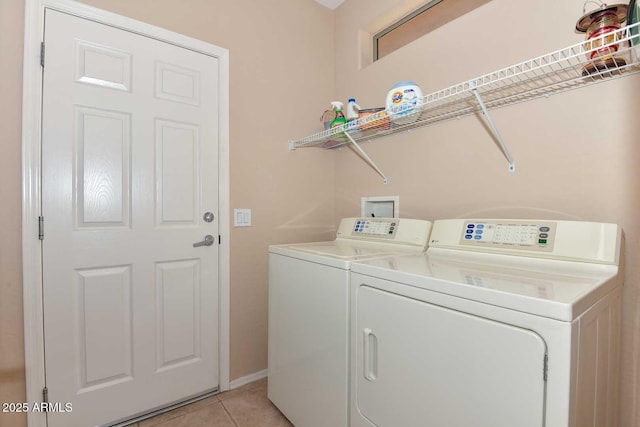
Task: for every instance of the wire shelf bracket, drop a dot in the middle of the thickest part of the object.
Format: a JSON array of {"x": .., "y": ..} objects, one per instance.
[
  {"x": 492, "y": 126},
  {"x": 366, "y": 157}
]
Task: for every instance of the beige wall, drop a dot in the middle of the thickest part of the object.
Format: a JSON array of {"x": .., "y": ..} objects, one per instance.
[
  {"x": 12, "y": 387},
  {"x": 576, "y": 153},
  {"x": 281, "y": 79}
]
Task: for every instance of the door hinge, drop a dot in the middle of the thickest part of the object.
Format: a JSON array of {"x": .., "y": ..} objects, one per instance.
[
  {"x": 545, "y": 369},
  {"x": 40, "y": 228},
  {"x": 45, "y": 395},
  {"x": 42, "y": 54}
]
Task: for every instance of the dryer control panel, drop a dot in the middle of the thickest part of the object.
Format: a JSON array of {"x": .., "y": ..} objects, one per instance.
[
  {"x": 582, "y": 241},
  {"x": 529, "y": 235}
]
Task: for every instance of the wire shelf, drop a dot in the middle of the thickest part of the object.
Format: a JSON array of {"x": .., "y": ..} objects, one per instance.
[{"x": 609, "y": 56}]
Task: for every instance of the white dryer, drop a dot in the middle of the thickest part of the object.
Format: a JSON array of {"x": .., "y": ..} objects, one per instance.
[
  {"x": 502, "y": 323},
  {"x": 308, "y": 315}
]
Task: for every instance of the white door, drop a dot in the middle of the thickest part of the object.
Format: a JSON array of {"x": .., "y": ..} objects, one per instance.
[
  {"x": 129, "y": 168},
  {"x": 419, "y": 364}
]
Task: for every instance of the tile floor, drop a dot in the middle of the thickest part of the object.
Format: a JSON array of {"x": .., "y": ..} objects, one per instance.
[{"x": 247, "y": 406}]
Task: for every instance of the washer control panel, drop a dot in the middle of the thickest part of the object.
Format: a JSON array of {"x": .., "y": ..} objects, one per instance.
[
  {"x": 526, "y": 235},
  {"x": 407, "y": 232},
  {"x": 381, "y": 228}
]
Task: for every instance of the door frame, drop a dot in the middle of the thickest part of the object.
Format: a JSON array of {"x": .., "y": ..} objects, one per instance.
[{"x": 32, "y": 192}]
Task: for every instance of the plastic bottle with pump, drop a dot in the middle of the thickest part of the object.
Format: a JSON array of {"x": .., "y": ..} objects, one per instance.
[
  {"x": 352, "y": 112},
  {"x": 340, "y": 120}
]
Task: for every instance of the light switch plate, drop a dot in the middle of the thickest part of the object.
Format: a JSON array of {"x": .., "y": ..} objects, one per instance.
[{"x": 242, "y": 217}]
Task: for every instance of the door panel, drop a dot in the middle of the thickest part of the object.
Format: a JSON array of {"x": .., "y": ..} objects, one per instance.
[
  {"x": 419, "y": 364},
  {"x": 129, "y": 164},
  {"x": 178, "y": 313},
  {"x": 104, "y": 344},
  {"x": 177, "y": 173},
  {"x": 177, "y": 84},
  {"x": 103, "y": 66},
  {"x": 102, "y": 177}
]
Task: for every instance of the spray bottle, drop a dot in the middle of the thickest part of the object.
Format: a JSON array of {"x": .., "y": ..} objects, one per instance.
[{"x": 339, "y": 121}]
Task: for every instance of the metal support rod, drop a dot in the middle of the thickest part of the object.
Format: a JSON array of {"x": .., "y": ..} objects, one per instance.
[
  {"x": 505, "y": 151},
  {"x": 366, "y": 157}
]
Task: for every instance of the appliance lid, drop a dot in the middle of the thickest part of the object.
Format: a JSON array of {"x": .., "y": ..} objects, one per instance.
[
  {"x": 555, "y": 289},
  {"x": 342, "y": 250},
  {"x": 362, "y": 238}
]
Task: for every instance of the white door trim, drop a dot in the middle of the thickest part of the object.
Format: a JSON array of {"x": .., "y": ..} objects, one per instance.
[{"x": 31, "y": 175}]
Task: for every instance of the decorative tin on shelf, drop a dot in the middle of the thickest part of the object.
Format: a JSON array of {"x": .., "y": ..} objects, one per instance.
[{"x": 601, "y": 25}]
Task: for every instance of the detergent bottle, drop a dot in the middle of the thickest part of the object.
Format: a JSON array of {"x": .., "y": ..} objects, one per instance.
[{"x": 352, "y": 110}]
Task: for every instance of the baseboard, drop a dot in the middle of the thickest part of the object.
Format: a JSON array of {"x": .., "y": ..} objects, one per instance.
[{"x": 239, "y": 382}]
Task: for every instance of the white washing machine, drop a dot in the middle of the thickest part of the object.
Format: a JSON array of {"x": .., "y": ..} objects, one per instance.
[
  {"x": 308, "y": 315},
  {"x": 502, "y": 323}
]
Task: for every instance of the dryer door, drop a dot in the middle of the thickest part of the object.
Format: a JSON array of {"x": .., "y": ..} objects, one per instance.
[{"x": 419, "y": 364}]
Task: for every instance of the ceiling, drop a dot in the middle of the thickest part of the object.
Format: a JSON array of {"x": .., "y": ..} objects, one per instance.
[{"x": 331, "y": 4}]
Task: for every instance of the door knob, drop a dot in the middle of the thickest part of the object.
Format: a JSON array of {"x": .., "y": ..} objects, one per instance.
[{"x": 207, "y": 241}]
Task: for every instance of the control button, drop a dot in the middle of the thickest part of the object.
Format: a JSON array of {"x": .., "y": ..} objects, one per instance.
[
  {"x": 543, "y": 235},
  {"x": 468, "y": 236},
  {"x": 477, "y": 237},
  {"x": 480, "y": 225},
  {"x": 478, "y": 231},
  {"x": 542, "y": 241},
  {"x": 470, "y": 225},
  {"x": 469, "y": 231},
  {"x": 393, "y": 224},
  {"x": 544, "y": 229},
  {"x": 391, "y": 232}
]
